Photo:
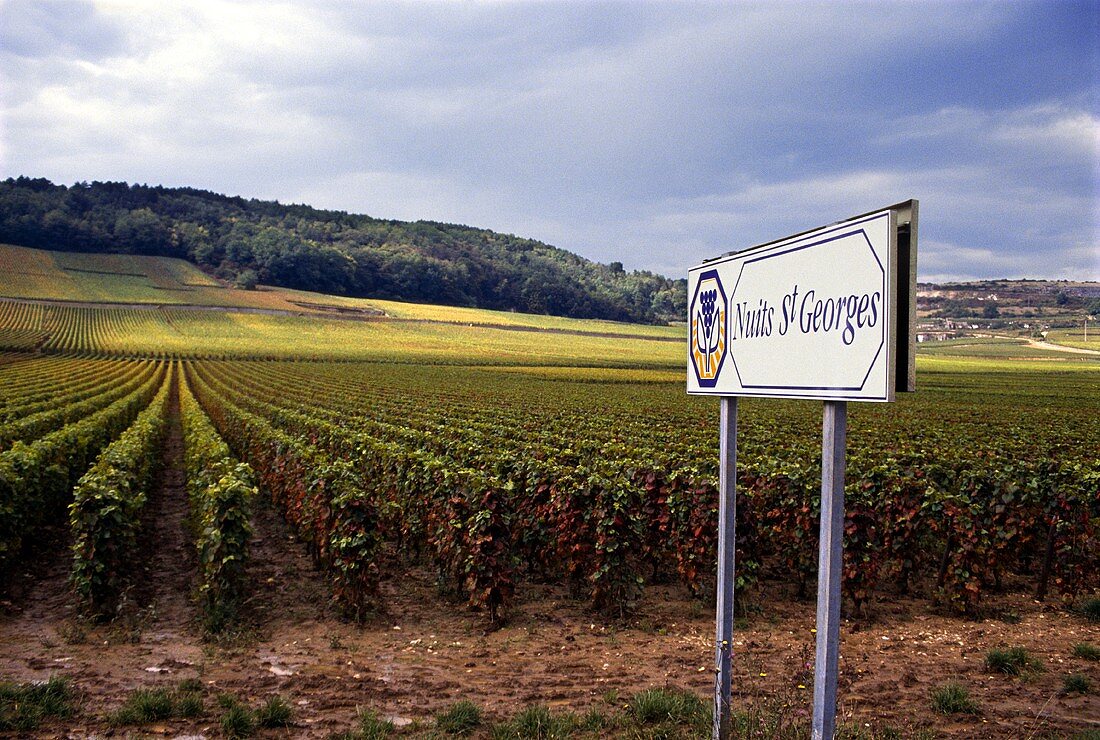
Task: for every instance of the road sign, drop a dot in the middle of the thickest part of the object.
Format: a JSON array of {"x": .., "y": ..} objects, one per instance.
[{"x": 826, "y": 314}]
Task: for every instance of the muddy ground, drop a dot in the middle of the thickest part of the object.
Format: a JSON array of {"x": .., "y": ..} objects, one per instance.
[{"x": 425, "y": 653}]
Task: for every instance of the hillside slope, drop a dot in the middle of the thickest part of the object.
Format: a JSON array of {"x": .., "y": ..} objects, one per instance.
[
  {"x": 129, "y": 305},
  {"x": 296, "y": 246}
]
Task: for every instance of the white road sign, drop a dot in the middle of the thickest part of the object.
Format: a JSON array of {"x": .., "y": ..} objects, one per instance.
[{"x": 816, "y": 315}]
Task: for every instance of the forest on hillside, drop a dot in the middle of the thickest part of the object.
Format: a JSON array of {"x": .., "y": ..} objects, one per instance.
[{"x": 250, "y": 241}]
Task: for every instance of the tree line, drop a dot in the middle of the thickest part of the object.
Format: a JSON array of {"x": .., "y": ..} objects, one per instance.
[{"x": 296, "y": 246}]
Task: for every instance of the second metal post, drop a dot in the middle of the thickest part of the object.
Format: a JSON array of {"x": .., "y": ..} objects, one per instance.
[
  {"x": 727, "y": 548},
  {"x": 829, "y": 565}
]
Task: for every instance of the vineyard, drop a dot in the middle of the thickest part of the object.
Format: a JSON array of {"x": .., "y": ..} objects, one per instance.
[
  {"x": 166, "y": 333},
  {"x": 504, "y": 458},
  {"x": 536, "y": 473}
]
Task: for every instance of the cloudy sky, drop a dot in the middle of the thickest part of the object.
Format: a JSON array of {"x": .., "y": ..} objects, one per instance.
[{"x": 656, "y": 134}]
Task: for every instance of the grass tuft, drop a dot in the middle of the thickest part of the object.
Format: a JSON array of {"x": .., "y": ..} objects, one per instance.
[
  {"x": 1076, "y": 683},
  {"x": 371, "y": 727},
  {"x": 238, "y": 722},
  {"x": 190, "y": 686},
  {"x": 227, "y": 701},
  {"x": 1086, "y": 651},
  {"x": 274, "y": 712},
  {"x": 535, "y": 723},
  {"x": 460, "y": 718},
  {"x": 655, "y": 706},
  {"x": 953, "y": 698},
  {"x": 1091, "y": 609},
  {"x": 144, "y": 706},
  {"x": 595, "y": 721},
  {"x": 1012, "y": 661},
  {"x": 189, "y": 705},
  {"x": 24, "y": 706}
]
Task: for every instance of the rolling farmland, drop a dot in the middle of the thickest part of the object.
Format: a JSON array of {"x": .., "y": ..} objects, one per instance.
[{"x": 348, "y": 470}]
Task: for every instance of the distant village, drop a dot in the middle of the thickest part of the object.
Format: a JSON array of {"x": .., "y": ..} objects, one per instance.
[{"x": 1014, "y": 307}]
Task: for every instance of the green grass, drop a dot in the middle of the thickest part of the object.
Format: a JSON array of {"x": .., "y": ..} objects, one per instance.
[
  {"x": 596, "y": 721},
  {"x": 190, "y": 686},
  {"x": 25, "y": 706},
  {"x": 536, "y": 723},
  {"x": 657, "y": 706},
  {"x": 655, "y": 714},
  {"x": 651, "y": 714},
  {"x": 189, "y": 705},
  {"x": 986, "y": 348},
  {"x": 1076, "y": 337},
  {"x": 144, "y": 706},
  {"x": 238, "y": 721},
  {"x": 461, "y": 718},
  {"x": 858, "y": 731},
  {"x": 1086, "y": 651},
  {"x": 1012, "y": 661},
  {"x": 275, "y": 712},
  {"x": 953, "y": 698},
  {"x": 371, "y": 727},
  {"x": 1076, "y": 683},
  {"x": 1091, "y": 609}
]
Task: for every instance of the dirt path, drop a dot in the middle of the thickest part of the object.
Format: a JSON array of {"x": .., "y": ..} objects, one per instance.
[
  {"x": 40, "y": 604},
  {"x": 285, "y": 585},
  {"x": 164, "y": 588},
  {"x": 1061, "y": 348}
]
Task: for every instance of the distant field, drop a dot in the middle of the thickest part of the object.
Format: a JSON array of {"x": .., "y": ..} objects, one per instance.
[
  {"x": 33, "y": 273},
  {"x": 125, "y": 279},
  {"x": 994, "y": 347},
  {"x": 114, "y": 278},
  {"x": 508, "y": 318},
  {"x": 1076, "y": 337},
  {"x": 177, "y": 332}
]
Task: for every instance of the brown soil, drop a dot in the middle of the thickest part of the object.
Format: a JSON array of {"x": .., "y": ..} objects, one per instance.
[{"x": 426, "y": 653}]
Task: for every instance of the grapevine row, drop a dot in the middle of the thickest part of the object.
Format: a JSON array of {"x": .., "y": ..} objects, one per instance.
[
  {"x": 65, "y": 410},
  {"x": 36, "y": 378},
  {"x": 107, "y": 507},
  {"x": 36, "y": 479},
  {"x": 319, "y": 497},
  {"x": 67, "y": 390},
  {"x": 220, "y": 493},
  {"x": 614, "y": 517}
]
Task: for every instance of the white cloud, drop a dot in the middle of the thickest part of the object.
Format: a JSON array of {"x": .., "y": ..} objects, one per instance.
[{"x": 1051, "y": 129}]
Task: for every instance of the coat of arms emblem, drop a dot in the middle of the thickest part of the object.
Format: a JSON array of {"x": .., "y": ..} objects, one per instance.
[{"x": 708, "y": 328}]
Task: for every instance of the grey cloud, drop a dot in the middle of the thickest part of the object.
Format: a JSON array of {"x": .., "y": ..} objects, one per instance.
[{"x": 64, "y": 28}]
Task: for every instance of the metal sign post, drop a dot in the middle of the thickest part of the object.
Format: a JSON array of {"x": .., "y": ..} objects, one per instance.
[
  {"x": 727, "y": 550},
  {"x": 828, "y": 314},
  {"x": 830, "y": 563}
]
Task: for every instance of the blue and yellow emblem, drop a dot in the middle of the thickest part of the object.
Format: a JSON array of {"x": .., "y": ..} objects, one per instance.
[{"x": 708, "y": 328}]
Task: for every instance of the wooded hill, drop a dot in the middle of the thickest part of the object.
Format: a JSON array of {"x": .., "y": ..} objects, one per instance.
[{"x": 250, "y": 241}]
